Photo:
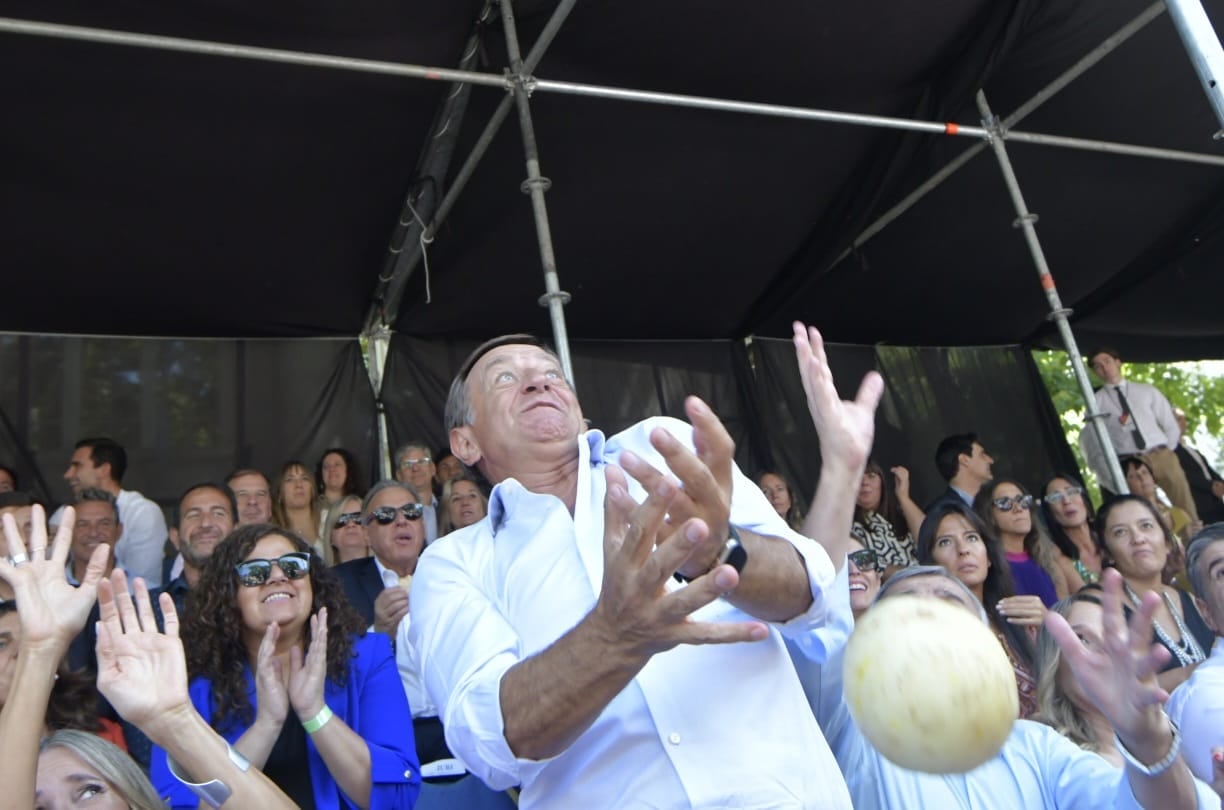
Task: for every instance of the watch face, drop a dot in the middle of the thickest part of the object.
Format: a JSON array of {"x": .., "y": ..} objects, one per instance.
[{"x": 734, "y": 554}]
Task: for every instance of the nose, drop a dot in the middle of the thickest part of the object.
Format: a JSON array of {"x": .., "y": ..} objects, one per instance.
[
  {"x": 276, "y": 574},
  {"x": 537, "y": 381}
]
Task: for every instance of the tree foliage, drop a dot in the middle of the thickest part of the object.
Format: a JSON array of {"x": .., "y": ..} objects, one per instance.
[{"x": 1185, "y": 384}]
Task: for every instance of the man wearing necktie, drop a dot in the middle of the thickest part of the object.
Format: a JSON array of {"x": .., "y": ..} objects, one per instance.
[
  {"x": 1141, "y": 423},
  {"x": 1206, "y": 485}
]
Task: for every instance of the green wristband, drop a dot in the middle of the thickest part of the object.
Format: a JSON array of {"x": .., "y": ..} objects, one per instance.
[{"x": 318, "y": 721}]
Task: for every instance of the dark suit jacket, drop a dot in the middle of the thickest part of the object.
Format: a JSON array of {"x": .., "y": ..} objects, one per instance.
[
  {"x": 362, "y": 585},
  {"x": 1210, "y": 508}
]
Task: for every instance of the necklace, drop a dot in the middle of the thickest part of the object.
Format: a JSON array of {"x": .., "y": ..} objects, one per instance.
[{"x": 1187, "y": 651}]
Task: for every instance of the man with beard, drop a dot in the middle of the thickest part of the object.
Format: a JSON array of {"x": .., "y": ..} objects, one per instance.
[{"x": 207, "y": 513}]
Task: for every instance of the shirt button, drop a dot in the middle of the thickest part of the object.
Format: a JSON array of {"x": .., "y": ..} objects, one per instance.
[
  {"x": 674, "y": 738},
  {"x": 407, "y": 774}
]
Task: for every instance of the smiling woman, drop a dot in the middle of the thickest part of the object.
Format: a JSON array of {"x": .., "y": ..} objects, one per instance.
[{"x": 326, "y": 722}]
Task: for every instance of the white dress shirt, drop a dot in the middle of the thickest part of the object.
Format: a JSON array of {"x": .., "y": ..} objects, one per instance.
[
  {"x": 1197, "y": 706},
  {"x": 141, "y": 547},
  {"x": 699, "y": 726},
  {"x": 1152, "y": 414}
]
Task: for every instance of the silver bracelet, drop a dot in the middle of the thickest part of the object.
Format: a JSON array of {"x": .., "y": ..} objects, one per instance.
[
  {"x": 214, "y": 793},
  {"x": 1160, "y": 767}
]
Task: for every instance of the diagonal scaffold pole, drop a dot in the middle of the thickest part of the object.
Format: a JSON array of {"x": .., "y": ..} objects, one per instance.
[
  {"x": 1026, "y": 222},
  {"x": 414, "y": 246},
  {"x": 535, "y": 186}
]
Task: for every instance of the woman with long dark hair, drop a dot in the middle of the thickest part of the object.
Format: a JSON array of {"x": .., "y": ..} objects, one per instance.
[
  {"x": 1069, "y": 517},
  {"x": 1136, "y": 542},
  {"x": 281, "y": 667},
  {"x": 1006, "y": 508},
  {"x": 953, "y": 536},
  {"x": 879, "y": 523}
]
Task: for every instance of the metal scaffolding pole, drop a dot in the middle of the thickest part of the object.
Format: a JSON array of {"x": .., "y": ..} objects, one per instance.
[
  {"x": 1039, "y": 98},
  {"x": 535, "y": 185},
  {"x": 376, "y": 366},
  {"x": 408, "y": 262},
  {"x": 1026, "y": 221},
  {"x": 1201, "y": 43}
]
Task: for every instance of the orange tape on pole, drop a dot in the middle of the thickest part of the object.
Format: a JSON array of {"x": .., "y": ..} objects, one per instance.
[
  {"x": 951, "y": 129},
  {"x": 1047, "y": 282}
]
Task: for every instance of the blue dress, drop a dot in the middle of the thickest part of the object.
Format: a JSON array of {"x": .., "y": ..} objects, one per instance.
[{"x": 371, "y": 703}]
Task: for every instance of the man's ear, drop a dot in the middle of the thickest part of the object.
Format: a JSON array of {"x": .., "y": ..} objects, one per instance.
[
  {"x": 1206, "y": 614},
  {"x": 174, "y": 534},
  {"x": 464, "y": 445}
]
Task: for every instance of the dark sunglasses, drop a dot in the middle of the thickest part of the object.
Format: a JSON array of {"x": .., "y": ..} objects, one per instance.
[
  {"x": 346, "y": 519},
  {"x": 1024, "y": 502},
  {"x": 253, "y": 573},
  {"x": 1058, "y": 496},
  {"x": 385, "y": 515},
  {"x": 864, "y": 559}
]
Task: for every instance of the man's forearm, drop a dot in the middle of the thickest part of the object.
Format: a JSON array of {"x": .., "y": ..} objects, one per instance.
[
  {"x": 828, "y": 521},
  {"x": 21, "y": 725},
  {"x": 774, "y": 584},
  {"x": 550, "y": 699}
]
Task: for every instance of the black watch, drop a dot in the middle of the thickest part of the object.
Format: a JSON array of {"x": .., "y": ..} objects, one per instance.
[{"x": 733, "y": 554}]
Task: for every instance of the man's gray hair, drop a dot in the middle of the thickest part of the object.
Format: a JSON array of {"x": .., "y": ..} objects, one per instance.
[
  {"x": 458, "y": 401},
  {"x": 389, "y": 483},
  {"x": 96, "y": 495},
  {"x": 404, "y": 449},
  {"x": 931, "y": 571},
  {"x": 1199, "y": 544}
]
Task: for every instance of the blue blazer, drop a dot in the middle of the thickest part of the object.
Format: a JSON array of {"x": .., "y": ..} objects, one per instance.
[{"x": 371, "y": 703}]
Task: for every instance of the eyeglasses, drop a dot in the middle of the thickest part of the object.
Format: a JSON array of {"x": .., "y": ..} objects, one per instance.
[
  {"x": 864, "y": 559},
  {"x": 253, "y": 573},
  {"x": 1060, "y": 496},
  {"x": 411, "y": 463},
  {"x": 386, "y": 515},
  {"x": 1024, "y": 502},
  {"x": 347, "y": 519}
]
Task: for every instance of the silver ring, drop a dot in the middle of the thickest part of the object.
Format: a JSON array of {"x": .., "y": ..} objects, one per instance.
[{"x": 18, "y": 559}]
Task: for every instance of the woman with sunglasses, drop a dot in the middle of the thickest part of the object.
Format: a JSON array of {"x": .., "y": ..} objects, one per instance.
[
  {"x": 954, "y": 537},
  {"x": 345, "y": 536},
  {"x": 1007, "y": 509},
  {"x": 865, "y": 573},
  {"x": 280, "y": 667},
  {"x": 1069, "y": 517},
  {"x": 1136, "y": 542}
]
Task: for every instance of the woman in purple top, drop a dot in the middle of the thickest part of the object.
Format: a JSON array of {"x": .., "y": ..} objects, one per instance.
[{"x": 1007, "y": 509}]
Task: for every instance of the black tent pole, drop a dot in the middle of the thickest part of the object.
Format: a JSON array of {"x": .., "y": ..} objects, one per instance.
[
  {"x": 1026, "y": 221},
  {"x": 535, "y": 185}
]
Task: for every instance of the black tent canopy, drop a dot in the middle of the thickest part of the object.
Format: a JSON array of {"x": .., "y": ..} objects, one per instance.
[{"x": 156, "y": 192}]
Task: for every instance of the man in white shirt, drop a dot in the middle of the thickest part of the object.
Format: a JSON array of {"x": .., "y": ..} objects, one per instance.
[
  {"x": 1140, "y": 423},
  {"x": 1197, "y": 706},
  {"x": 101, "y": 463},
  {"x": 562, "y": 653}
]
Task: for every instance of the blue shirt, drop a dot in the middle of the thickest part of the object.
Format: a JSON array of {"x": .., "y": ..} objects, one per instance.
[
  {"x": 371, "y": 703},
  {"x": 1037, "y": 767}
]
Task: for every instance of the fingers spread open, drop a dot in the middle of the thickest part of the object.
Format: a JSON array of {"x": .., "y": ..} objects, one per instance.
[
  {"x": 714, "y": 445},
  {"x": 700, "y": 483},
  {"x": 12, "y": 536},
  {"x": 63, "y": 535},
  {"x": 144, "y": 606},
  {"x": 870, "y": 390},
  {"x": 673, "y": 551},
  {"x": 1072, "y": 648},
  {"x": 123, "y": 601},
  {"x": 169, "y": 614},
  {"x": 95, "y": 569}
]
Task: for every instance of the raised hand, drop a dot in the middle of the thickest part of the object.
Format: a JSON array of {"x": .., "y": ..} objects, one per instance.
[
  {"x": 706, "y": 476},
  {"x": 1119, "y": 676},
  {"x": 141, "y": 671},
  {"x": 1026, "y": 611},
  {"x": 307, "y": 678},
  {"x": 271, "y": 697},
  {"x": 52, "y": 611},
  {"x": 634, "y": 607},
  {"x": 902, "y": 483},
  {"x": 845, "y": 428}
]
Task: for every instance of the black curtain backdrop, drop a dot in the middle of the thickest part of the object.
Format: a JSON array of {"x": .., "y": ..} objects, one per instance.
[
  {"x": 191, "y": 410},
  {"x": 618, "y": 384},
  {"x": 185, "y": 410}
]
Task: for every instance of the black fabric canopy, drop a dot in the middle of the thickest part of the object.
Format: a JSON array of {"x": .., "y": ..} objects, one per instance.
[{"x": 155, "y": 193}]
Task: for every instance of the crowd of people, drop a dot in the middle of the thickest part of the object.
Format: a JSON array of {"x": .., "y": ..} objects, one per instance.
[{"x": 548, "y": 616}]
